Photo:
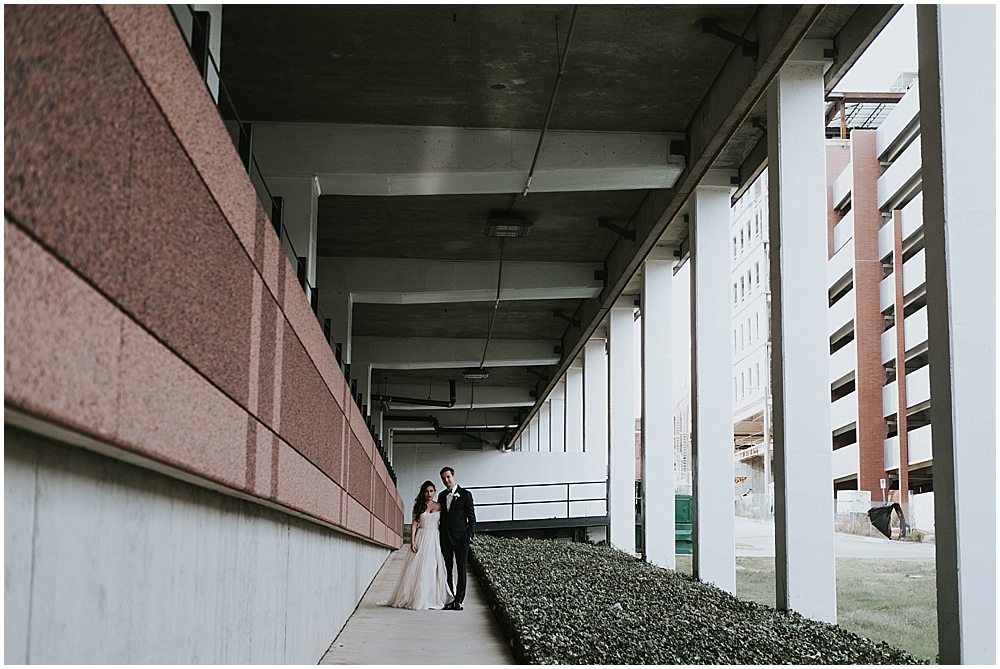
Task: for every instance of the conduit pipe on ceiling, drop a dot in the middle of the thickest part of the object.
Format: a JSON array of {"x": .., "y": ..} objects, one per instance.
[
  {"x": 378, "y": 397},
  {"x": 531, "y": 170},
  {"x": 433, "y": 422}
]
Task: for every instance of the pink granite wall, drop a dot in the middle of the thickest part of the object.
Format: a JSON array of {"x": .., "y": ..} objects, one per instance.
[{"x": 148, "y": 302}]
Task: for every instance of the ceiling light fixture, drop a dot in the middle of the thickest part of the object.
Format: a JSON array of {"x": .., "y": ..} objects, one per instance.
[
  {"x": 475, "y": 373},
  {"x": 508, "y": 227}
]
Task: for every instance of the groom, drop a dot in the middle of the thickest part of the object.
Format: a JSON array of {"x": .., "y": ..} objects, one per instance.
[{"x": 458, "y": 524}]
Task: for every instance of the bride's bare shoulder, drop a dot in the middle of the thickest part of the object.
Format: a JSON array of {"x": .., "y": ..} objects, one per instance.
[{"x": 433, "y": 507}]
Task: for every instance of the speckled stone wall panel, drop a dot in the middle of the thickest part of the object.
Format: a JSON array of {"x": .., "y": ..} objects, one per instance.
[
  {"x": 359, "y": 473},
  {"x": 149, "y": 35},
  {"x": 268, "y": 342},
  {"x": 303, "y": 487},
  {"x": 62, "y": 340},
  {"x": 310, "y": 419},
  {"x": 188, "y": 277},
  {"x": 267, "y": 444},
  {"x": 378, "y": 496},
  {"x": 68, "y": 98},
  {"x": 358, "y": 518},
  {"x": 171, "y": 412}
]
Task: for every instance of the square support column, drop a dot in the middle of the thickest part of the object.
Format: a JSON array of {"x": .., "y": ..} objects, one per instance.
[
  {"x": 957, "y": 52},
  {"x": 545, "y": 427},
  {"x": 805, "y": 569},
  {"x": 658, "y": 409},
  {"x": 574, "y": 407},
  {"x": 301, "y": 207},
  {"x": 557, "y": 417},
  {"x": 595, "y": 416},
  {"x": 714, "y": 528},
  {"x": 621, "y": 424}
]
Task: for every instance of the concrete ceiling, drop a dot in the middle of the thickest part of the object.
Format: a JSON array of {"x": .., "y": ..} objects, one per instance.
[{"x": 455, "y": 73}]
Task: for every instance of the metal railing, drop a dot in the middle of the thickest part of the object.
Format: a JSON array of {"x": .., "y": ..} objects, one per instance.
[
  {"x": 195, "y": 26},
  {"x": 561, "y": 507}
]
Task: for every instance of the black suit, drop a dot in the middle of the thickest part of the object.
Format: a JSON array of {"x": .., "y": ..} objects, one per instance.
[{"x": 458, "y": 526}]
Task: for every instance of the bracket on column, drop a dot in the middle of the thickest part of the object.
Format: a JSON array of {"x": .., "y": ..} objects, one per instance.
[
  {"x": 711, "y": 27},
  {"x": 605, "y": 222},
  {"x": 575, "y": 322},
  {"x": 758, "y": 123},
  {"x": 535, "y": 372}
]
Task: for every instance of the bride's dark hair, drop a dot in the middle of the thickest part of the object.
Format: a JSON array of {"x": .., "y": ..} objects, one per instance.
[{"x": 420, "y": 503}]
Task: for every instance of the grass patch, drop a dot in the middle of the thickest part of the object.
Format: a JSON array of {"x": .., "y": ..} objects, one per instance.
[
  {"x": 564, "y": 603},
  {"x": 876, "y": 598}
]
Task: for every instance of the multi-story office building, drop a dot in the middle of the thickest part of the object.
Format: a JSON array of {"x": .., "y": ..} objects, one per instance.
[{"x": 748, "y": 232}]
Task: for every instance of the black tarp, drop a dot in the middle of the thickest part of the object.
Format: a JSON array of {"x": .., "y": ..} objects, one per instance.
[{"x": 881, "y": 517}]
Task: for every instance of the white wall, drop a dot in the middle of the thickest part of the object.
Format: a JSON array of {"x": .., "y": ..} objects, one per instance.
[
  {"x": 108, "y": 563},
  {"x": 922, "y": 512},
  {"x": 415, "y": 464}
]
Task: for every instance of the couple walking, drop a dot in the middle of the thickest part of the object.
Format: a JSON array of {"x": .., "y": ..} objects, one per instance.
[{"x": 440, "y": 536}]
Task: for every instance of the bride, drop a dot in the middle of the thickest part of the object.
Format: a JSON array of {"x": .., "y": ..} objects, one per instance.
[{"x": 423, "y": 583}]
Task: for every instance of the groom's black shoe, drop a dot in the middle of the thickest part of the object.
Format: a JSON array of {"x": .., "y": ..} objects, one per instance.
[
  {"x": 449, "y": 606},
  {"x": 456, "y": 607}
]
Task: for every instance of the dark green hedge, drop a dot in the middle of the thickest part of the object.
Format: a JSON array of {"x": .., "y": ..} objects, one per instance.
[{"x": 565, "y": 603}]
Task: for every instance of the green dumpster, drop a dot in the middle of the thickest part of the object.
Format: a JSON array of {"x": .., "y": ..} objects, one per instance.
[{"x": 682, "y": 524}]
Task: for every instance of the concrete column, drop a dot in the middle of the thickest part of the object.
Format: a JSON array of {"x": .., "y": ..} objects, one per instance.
[
  {"x": 362, "y": 371},
  {"x": 301, "y": 204},
  {"x": 621, "y": 424},
  {"x": 595, "y": 416},
  {"x": 574, "y": 407},
  {"x": 340, "y": 309},
  {"x": 558, "y": 417},
  {"x": 957, "y": 51},
  {"x": 535, "y": 434},
  {"x": 545, "y": 427},
  {"x": 658, "y": 408},
  {"x": 714, "y": 530},
  {"x": 803, "y": 507}
]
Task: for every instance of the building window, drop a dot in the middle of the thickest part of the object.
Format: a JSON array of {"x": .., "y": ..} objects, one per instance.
[
  {"x": 742, "y": 289},
  {"x": 758, "y": 375},
  {"x": 756, "y": 324},
  {"x": 757, "y": 225},
  {"x": 734, "y": 341},
  {"x": 749, "y": 337},
  {"x": 734, "y": 294},
  {"x": 749, "y": 283},
  {"x": 741, "y": 240},
  {"x": 734, "y": 247},
  {"x": 756, "y": 270}
]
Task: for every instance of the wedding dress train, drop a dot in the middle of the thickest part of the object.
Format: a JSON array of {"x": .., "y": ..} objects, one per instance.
[{"x": 423, "y": 583}]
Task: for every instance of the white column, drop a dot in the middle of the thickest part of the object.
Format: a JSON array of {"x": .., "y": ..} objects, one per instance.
[
  {"x": 714, "y": 530},
  {"x": 535, "y": 433},
  {"x": 362, "y": 371},
  {"x": 595, "y": 416},
  {"x": 558, "y": 417},
  {"x": 574, "y": 407},
  {"x": 957, "y": 51},
  {"x": 301, "y": 205},
  {"x": 658, "y": 408},
  {"x": 545, "y": 427},
  {"x": 621, "y": 413},
  {"x": 339, "y": 308},
  {"x": 805, "y": 570}
]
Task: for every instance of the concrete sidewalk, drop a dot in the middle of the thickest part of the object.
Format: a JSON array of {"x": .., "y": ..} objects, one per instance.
[
  {"x": 755, "y": 538},
  {"x": 384, "y": 635}
]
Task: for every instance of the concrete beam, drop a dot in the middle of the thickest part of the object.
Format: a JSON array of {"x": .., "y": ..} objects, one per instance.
[
  {"x": 854, "y": 37},
  {"x": 849, "y": 43},
  {"x": 428, "y": 160},
  {"x": 450, "y": 418},
  {"x": 404, "y": 281},
  {"x": 430, "y": 353},
  {"x": 741, "y": 83}
]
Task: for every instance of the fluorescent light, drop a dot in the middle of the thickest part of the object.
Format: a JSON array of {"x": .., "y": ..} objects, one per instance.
[
  {"x": 508, "y": 227},
  {"x": 475, "y": 373}
]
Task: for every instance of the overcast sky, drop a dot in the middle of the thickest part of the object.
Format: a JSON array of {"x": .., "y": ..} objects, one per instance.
[{"x": 894, "y": 51}]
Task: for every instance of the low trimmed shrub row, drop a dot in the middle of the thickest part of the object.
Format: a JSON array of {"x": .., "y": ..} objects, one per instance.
[{"x": 565, "y": 603}]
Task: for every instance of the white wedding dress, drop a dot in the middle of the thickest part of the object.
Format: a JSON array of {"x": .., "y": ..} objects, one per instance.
[{"x": 423, "y": 583}]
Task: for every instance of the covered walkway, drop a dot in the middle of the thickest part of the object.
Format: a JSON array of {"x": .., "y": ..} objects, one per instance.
[{"x": 384, "y": 635}]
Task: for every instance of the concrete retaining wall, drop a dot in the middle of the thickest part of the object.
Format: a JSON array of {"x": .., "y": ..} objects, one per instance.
[{"x": 108, "y": 563}]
